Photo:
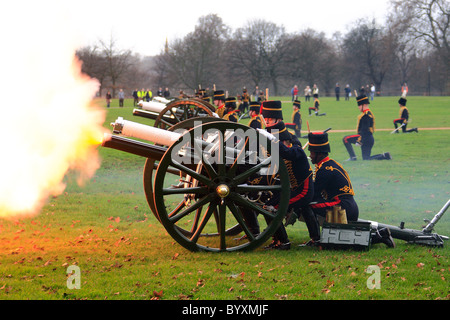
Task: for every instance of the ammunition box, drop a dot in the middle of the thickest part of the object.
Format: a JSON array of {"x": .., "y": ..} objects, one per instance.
[{"x": 354, "y": 235}]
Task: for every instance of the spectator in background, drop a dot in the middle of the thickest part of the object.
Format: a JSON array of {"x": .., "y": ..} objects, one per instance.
[
  {"x": 135, "y": 97},
  {"x": 159, "y": 93},
  {"x": 166, "y": 93},
  {"x": 315, "y": 91},
  {"x": 404, "y": 89},
  {"x": 294, "y": 93},
  {"x": 148, "y": 95},
  {"x": 372, "y": 91},
  {"x": 121, "y": 97},
  {"x": 337, "y": 91},
  {"x": 257, "y": 94},
  {"x": 347, "y": 92},
  {"x": 307, "y": 93},
  {"x": 108, "y": 99}
]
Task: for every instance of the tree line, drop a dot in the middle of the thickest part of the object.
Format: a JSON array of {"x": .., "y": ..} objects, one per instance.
[{"x": 413, "y": 48}]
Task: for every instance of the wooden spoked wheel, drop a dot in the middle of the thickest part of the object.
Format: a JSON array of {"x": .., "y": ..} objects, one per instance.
[
  {"x": 181, "y": 110},
  {"x": 218, "y": 163}
]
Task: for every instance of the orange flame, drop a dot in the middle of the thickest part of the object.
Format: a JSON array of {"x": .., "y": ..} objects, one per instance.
[{"x": 49, "y": 123}]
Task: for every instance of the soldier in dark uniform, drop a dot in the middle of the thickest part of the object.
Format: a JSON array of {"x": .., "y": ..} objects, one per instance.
[
  {"x": 364, "y": 136},
  {"x": 296, "y": 124},
  {"x": 219, "y": 102},
  {"x": 332, "y": 186},
  {"x": 256, "y": 121},
  {"x": 300, "y": 173},
  {"x": 230, "y": 113},
  {"x": 300, "y": 178},
  {"x": 245, "y": 100},
  {"x": 404, "y": 117}
]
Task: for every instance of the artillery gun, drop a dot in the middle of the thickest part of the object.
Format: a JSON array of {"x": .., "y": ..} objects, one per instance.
[
  {"x": 198, "y": 182},
  {"x": 168, "y": 113}
]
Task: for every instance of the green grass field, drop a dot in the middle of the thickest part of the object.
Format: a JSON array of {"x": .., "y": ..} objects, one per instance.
[{"x": 106, "y": 228}]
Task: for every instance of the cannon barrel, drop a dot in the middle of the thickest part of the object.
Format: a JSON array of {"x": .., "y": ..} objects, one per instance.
[
  {"x": 153, "y": 106},
  {"x": 155, "y": 135},
  {"x": 133, "y": 146},
  {"x": 141, "y": 131}
]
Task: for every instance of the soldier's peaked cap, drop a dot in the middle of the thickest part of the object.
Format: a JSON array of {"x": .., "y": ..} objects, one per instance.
[
  {"x": 272, "y": 109},
  {"x": 318, "y": 142},
  {"x": 279, "y": 130},
  {"x": 219, "y": 95},
  {"x": 362, "y": 99},
  {"x": 255, "y": 106}
]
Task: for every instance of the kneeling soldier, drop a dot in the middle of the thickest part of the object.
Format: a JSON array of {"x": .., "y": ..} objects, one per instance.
[
  {"x": 333, "y": 188},
  {"x": 404, "y": 117}
]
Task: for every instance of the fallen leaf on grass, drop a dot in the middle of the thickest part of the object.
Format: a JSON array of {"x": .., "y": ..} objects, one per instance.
[{"x": 157, "y": 295}]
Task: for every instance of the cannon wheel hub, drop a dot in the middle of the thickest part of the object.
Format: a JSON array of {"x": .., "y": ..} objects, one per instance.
[{"x": 223, "y": 190}]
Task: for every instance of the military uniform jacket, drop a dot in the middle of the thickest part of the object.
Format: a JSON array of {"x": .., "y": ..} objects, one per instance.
[
  {"x": 231, "y": 116},
  {"x": 331, "y": 181},
  {"x": 404, "y": 114},
  {"x": 297, "y": 164},
  {"x": 366, "y": 124},
  {"x": 256, "y": 122},
  {"x": 220, "y": 111},
  {"x": 297, "y": 119}
]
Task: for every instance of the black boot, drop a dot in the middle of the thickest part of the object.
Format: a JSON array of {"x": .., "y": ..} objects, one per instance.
[
  {"x": 311, "y": 223},
  {"x": 383, "y": 236}
]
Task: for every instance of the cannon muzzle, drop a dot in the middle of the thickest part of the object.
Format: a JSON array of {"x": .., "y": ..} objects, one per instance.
[{"x": 141, "y": 131}]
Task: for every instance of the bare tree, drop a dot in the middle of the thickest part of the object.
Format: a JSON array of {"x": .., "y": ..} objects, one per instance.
[
  {"x": 427, "y": 21},
  {"x": 313, "y": 59},
  {"x": 117, "y": 61},
  {"x": 197, "y": 59},
  {"x": 258, "y": 50},
  {"x": 93, "y": 64},
  {"x": 370, "y": 50}
]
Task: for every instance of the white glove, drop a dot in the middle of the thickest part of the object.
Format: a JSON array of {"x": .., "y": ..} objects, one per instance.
[
  {"x": 266, "y": 134},
  {"x": 215, "y": 115}
]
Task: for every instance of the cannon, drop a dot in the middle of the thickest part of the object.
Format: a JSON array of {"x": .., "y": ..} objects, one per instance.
[
  {"x": 198, "y": 180},
  {"x": 167, "y": 113}
]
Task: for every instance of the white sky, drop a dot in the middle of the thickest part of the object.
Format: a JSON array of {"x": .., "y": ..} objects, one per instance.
[{"x": 142, "y": 26}]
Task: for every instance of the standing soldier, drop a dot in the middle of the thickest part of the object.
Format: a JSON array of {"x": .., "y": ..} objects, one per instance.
[
  {"x": 364, "y": 136},
  {"x": 257, "y": 120},
  {"x": 296, "y": 124},
  {"x": 300, "y": 173},
  {"x": 230, "y": 113},
  {"x": 404, "y": 116},
  {"x": 219, "y": 102},
  {"x": 245, "y": 100}
]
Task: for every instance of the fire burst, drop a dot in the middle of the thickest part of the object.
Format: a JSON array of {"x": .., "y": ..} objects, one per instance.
[{"x": 50, "y": 125}]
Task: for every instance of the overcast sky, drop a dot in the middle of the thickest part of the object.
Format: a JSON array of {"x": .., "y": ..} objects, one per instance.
[{"x": 143, "y": 26}]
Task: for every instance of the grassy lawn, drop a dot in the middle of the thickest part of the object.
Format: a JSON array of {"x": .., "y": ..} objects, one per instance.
[{"x": 123, "y": 253}]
